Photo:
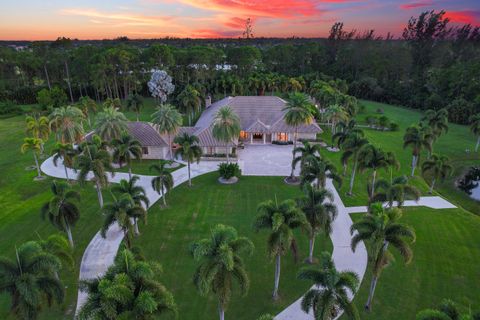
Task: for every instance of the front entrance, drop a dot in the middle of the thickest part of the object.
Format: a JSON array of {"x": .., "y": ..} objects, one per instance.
[{"x": 257, "y": 138}]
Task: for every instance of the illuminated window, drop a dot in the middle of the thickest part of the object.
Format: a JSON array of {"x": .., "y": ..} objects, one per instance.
[
  {"x": 243, "y": 135},
  {"x": 282, "y": 136}
]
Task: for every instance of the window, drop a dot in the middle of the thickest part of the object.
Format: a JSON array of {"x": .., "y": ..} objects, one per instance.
[
  {"x": 282, "y": 136},
  {"x": 144, "y": 150},
  {"x": 243, "y": 135}
]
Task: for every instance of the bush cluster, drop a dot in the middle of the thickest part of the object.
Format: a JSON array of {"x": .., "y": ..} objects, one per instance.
[{"x": 229, "y": 170}]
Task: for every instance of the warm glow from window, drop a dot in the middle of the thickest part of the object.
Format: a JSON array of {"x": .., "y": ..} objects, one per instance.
[
  {"x": 243, "y": 135},
  {"x": 281, "y": 136}
]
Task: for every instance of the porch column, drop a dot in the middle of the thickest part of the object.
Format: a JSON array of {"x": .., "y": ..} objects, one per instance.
[
  {"x": 264, "y": 138},
  {"x": 251, "y": 138}
]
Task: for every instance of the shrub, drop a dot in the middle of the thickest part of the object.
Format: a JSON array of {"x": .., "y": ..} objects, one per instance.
[
  {"x": 380, "y": 110},
  {"x": 383, "y": 122},
  {"x": 282, "y": 143},
  {"x": 229, "y": 170},
  {"x": 394, "y": 126},
  {"x": 9, "y": 108}
]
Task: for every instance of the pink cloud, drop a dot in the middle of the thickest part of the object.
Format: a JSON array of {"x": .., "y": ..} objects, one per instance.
[
  {"x": 416, "y": 4},
  {"x": 464, "y": 16}
]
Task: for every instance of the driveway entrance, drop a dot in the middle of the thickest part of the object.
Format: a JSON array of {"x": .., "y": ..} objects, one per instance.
[{"x": 266, "y": 160}]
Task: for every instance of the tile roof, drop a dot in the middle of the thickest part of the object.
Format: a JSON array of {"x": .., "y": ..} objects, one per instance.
[{"x": 146, "y": 134}]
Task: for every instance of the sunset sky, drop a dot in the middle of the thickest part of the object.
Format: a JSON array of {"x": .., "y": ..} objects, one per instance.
[{"x": 99, "y": 19}]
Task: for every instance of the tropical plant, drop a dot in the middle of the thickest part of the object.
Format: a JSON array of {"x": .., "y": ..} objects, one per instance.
[
  {"x": 34, "y": 145},
  {"x": 320, "y": 214},
  {"x": 167, "y": 120},
  {"x": 475, "y": 128},
  {"x": 87, "y": 105},
  {"x": 352, "y": 146},
  {"x": 334, "y": 114},
  {"x": 124, "y": 149},
  {"x": 396, "y": 190},
  {"x": 129, "y": 290},
  {"x": 381, "y": 228},
  {"x": 67, "y": 123},
  {"x": 330, "y": 295},
  {"x": 226, "y": 127},
  {"x": 30, "y": 280},
  {"x": 229, "y": 170},
  {"x": 189, "y": 150},
  {"x": 38, "y": 127},
  {"x": 437, "y": 120},
  {"x": 438, "y": 167},
  {"x": 110, "y": 124},
  {"x": 418, "y": 140},
  {"x": 58, "y": 246},
  {"x": 66, "y": 152},
  {"x": 163, "y": 181},
  {"x": 447, "y": 310},
  {"x": 298, "y": 111},
  {"x": 344, "y": 130},
  {"x": 280, "y": 219},
  {"x": 373, "y": 158},
  {"x": 189, "y": 100},
  {"x": 220, "y": 264},
  {"x": 317, "y": 170},
  {"x": 306, "y": 151},
  {"x": 135, "y": 103}
]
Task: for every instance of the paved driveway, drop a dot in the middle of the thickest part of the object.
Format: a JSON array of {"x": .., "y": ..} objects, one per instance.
[{"x": 266, "y": 160}]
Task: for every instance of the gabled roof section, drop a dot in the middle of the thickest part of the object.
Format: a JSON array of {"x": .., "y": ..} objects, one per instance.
[
  {"x": 146, "y": 134},
  {"x": 258, "y": 127}
]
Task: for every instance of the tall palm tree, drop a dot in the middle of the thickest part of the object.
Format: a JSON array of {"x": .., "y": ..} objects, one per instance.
[
  {"x": 226, "y": 127},
  {"x": 67, "y": 123},
  {"x": 318, "y": 170},
  {"x": 220, "y": 264},
  {"x": 135, "y": 103},
  {"x": 110, "y": 124},
  {"x": 298, "y": 111},
  {"x": 447, "y": 310},
  {"x": 163, "y": 181},
  {"x": 352, "y": 146},
  {"x": 38, "y": 127},
  {"x": 29, "y": 279},
  {"x": 437, "y": 120},
  {"x": 58, "y": 246},
  {"x": 97, "y": 162},
  {"x": 330, "y": 295},
  {"x": 418, "y": 140},
  {"x": 396, "y": 190},
  {"x": 62, "y": 209},
  {"x": 189, "y": 150},
  {"x": 87, "y": 105},
  {"x": 280, "y": 219},
  {"x": 320, "y": 214},
  {"x": 475, "y": 128},
  {"x": 373, "y": 158},
  {"x": 33, "y": 144},
  {"x": 381, "y": 228},
  {"x": 346, "y": 129},
  {"x": 124, "y": 149},
  {"x": 189, "y": 100},
  {"x": 66, "y": 152},
  {"x": 306, "y": 151},
  {"x": 122, "y": 210},
  {"x": 334, "y": 114},
  {"x": 129, "y": 290},
  {"x": 167, "y": 120},
  {"x": 136, "y": 192},
  {"x": 438, "y": 167}
]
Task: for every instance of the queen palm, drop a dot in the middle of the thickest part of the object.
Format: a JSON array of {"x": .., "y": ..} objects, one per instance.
[
  {"x": 66, "y": 152},
  {"x": 307, "y": 151},
  {"x": 124, "y": 149},
  {"x": 67, "y": 123},
  {"x": 438, "y": 167},
  {"x": 320, "y": 214},
  {"x": 437, "y": 120},
  {"x": 29, "y": 279},
  {"x": 352, "y": 146},
  {"x": 373, "y": 158},
  {"x": 135, "y": 103},
  {"x": 38, "y": 128},
  {"x": 381, "y": 228},
  {"x": 58, "y": 246},
  {"x": 136, "y": 192},
  {"x": 317, "y": 170},
  {"x": 189, "y": 150},
  {"x": 346, "y": 129},
  {"x": 226, "y": 127},
  {"x": 280, "y": 219},
  {"x": 34, "y": 145},
  {"x": 122, "y": 211},
  {"x": 62, "y": 209},
  {"x": 189, "y": 100},
  {"x": 110, "y": 124},
  {"x": 98, "y": 163},
  {"x": 163, "y": 180},
  {"x": 334, "y": 114},
  {"x": 167, "y": 120},
  {"x": 298, "y": 111},
  {"x": 330, "y": 295},
  {"x": 220, "y": 264},
  {"x": 447, "y": 310},
  {"x": 418, "y": 140},
  {"x": 396, "y": 190},
  {"x": 88, "y": 106},
  {"x": 475, "y": 128}
]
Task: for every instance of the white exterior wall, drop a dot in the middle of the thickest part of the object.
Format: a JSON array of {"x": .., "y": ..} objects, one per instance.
[
  {"x": 217, "y": 150},
  {"x": 156, "y": 153},
  {"x": 306, "y": 136}
]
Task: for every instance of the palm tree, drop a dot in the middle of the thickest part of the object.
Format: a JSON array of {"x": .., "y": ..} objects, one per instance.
[
  {"x": 167, "y": 120},
  {"x": 438, "y": 167},
  {"x": 33, "y": 144},
  {"x": 334, "y": 114},
  {"x": 380, "y": 228},
  {"x": 396, "y": 190},
  {"x": 475, "y": 128},
  {"x": 122, "y": 210},
  {"x": 371, "y": 157},
  {"x": 189, "y": 150},
  {"x": 58, "y": 246},
  {"x": 220, "y": 264},
  {"x": 135, "y": 103},
  {"x": 163, "y": 180},
  {"x": 226, "y": 127},
  {"x": 437, "y": 120},
  {"x": 189, "y": 100},
  {"x": 96, "y": 162},
  {"x": 447, "y": 310},
  {"x": 128, "y": 290},
  {"x": 30, "y": 279},
  {"x": 417, "y": 140},
  {"x": 319, "y": 213},
  {"x": 62, "y": 210},
  {"x": 67, "y": 124},
  {"x": 66, "y": 152},
  {"x": 298, "y": 111},
  {"x": 318, "y": 170},
  {"x": 124, "y": 149},
  {"x": 110, "y": 124},
  {"x": 330, "y": 295},
  {"x": 38, "y": 128},
  {"x": 87, "y": 105},
  {"x": 137, "y": 193},
  {"x": 281, "y": 219},
  {"x": 306, "y": 151},
  {"x": 346, "y": 129},
  {"x": 352, "y": 146}
]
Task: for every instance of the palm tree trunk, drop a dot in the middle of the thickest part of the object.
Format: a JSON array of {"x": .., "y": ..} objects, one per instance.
[
  {"x": 277, "y": 277},
  {"x": 163, "y": 197},
  {"x": 414, "y": 164},
  {"x": 373, "y": 284},
  {"x": 170, "y": 144},
  {"x": 39, "y": 172},
  {"x": 293, "y": 151},
  {"x": 135, "y": 222},
  {"x": 478, "y": 144},
  {"x": 373, "y": 183},
  {"x": 352, "y": 179},
  {"x": 130, "y": 172},
  {"x": 46, "y": 76},
  {"x": 68, "y": 81},
  {"x": 99, "y": 194},
  {"x": 226, "y": 153},
  {"x": 221, "y": 311},
  {"x": 312, "y": 246},
  {"x": 432, "y": 186},
  {"x": 137, "y": 116},
  {"x": 66, "y": 172},
  {"x": 69, "y": 234},
  {"x": 189, "y": 178}
]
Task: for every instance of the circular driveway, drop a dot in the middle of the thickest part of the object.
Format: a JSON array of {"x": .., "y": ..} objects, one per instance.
[{"x": 266, "y": 160}]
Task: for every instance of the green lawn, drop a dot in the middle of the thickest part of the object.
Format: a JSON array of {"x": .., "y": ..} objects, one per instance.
[
  {"x": 143, "y": 167},
  {"x": 191, "y": 215}
]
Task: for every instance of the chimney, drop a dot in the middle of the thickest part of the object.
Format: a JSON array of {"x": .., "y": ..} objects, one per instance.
[{"x": 208, "y": 101}]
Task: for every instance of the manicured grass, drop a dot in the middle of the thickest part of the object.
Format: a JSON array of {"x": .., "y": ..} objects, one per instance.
[
  {"x": 192, "y": 212},
  {"x": 143, "y": 167},
  {"x": 445, "y": 265}
]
